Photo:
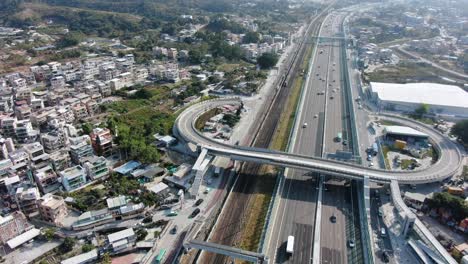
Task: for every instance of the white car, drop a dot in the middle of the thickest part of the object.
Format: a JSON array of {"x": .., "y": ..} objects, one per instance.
[
  {"x": 371, "y": 164},
  {"x": 304, "y": 125},
  {"x": 315, "y": 116}
]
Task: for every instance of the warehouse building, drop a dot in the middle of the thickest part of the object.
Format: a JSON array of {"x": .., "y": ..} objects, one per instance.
[{"x": 446, "y": 101}]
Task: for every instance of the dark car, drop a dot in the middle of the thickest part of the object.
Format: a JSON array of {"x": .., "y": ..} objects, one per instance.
[
  {"x": 333, "y": 219},
  {"x": 385, "y": 257},
  {"x": 174, "y": 230},
  {"x": 194, "y": 213},
  {"x": 345, "y": 142},
  {"x": 198, "y": 202}
]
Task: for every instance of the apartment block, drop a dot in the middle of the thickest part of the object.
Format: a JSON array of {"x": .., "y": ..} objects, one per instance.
[
  {"x": 73, "y": 178},
  {"x": 52, "y": 208}
]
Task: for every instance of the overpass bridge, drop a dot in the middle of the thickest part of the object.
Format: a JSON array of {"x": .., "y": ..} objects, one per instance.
[{"x": 448, "y": 164}]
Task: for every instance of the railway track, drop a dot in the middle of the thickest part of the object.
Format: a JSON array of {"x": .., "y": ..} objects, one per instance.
[{"x": 230, "y": 226}]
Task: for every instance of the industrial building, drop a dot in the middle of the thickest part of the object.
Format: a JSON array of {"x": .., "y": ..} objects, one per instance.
[{"x": 447, "y": 101}]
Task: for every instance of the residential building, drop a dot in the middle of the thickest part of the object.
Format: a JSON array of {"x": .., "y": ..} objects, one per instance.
[
  {"x": 93, "y": 218},
  {"x": 8, "y": 126},
  {"x": 23, "y": 112},
  {"x": 52, "y": 208},
  {"x": 101, "y": 139},
  {"x": 73, "y": 178},
  {"x": 114, "y": 203},
  {"x": 47, "y": 180},
  {"x": 80, "y": 111},
  {"x": 53, "y": 141},
  {"x": 80, "y": 147},
  {"x": 96, "y": 167},
  {"x": 37, "y": 156},
  {"x": 60, "y": 160},
  {"x": 122, "y": 240},
  {"x": 6, "y": 146},
  {"x": 24, "y": 132},
  {"x": 27, "y": 200},
  {"x": 57, "y": 82}
]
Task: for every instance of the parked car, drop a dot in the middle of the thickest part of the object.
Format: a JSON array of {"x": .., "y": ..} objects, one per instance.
[
  {"x": 174, "y": 230},
  {"x": 198, "y": 202},
  {"x": 194, "y": 213},
  {"x": 333, "y": 219},
  {"x": 351, "y": 243},
  {"x": 172, "y": 213}
]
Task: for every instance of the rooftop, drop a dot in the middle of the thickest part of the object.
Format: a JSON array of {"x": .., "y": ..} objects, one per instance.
[
  {"x": 82, "y": 258},
  {"x": 427, "y": 93},
  {"x": 120, "y": 235},
  {"x": 403, "y": 130},
  {"x": 116, "y": 201},
  {"x": 127, "y": 167},
  {"x": 23, "y": 238}
]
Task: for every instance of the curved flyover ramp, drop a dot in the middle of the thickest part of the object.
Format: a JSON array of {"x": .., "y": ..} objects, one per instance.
[{"x": 449, "y": 163}]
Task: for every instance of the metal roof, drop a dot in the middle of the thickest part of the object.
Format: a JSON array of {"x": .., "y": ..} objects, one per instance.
[
  {"x": 419, "y": 93},
  {"x": 23, "y": 238},
  {"x": 82, "y": 258},
  {"x": 120, "y": 235},
  {"x": 404, "y": 131}
]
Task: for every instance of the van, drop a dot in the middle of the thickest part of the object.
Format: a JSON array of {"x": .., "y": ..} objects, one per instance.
[{"x": 383, "y": 232}]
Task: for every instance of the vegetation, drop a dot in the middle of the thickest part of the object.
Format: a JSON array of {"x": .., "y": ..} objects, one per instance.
[
  {"x": 221, "y": 24},
  {"x": 141, "y": 234},
  {"x": 267, "y": 60},
  {"x": 49, "y": 233},
  {"x": 460, "y": 129},
  {"x": 106, "y": 258},
  {"x": 446, "y": 200},
  {"x": 230, "y": 120},
  {"x": 421, "y": 110},
  {"x": 251, "y": 37},
  {"x": 87, "y": 247},
  {"x": 67, "y": 245}
]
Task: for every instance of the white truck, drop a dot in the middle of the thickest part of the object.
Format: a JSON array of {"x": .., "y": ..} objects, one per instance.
[{"x": 290, "y": 245}]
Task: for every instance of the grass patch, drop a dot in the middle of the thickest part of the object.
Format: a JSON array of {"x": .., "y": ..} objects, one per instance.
[
  {"x": 257, "y": 212},
  {"x": 283, "y": 130},
  {"x": 200, "y": 123},
  {"x": 385, "y": 150},
  {"x": 405, "y": 163}
]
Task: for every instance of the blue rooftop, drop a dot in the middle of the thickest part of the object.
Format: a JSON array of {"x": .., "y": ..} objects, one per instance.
[{"x": 127, "y": 167}]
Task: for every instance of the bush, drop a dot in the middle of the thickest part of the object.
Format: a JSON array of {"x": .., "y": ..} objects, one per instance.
[{"x": 87, "y": 247}]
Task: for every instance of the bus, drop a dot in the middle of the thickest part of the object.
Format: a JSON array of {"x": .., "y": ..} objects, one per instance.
[
  {"x": 339, "y": 137},
  {"x": 290, "y": 245},
  {"x": 160, "y": 256}
]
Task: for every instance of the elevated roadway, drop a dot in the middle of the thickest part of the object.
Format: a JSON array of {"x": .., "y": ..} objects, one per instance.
[{"x": 449, "y": 163}]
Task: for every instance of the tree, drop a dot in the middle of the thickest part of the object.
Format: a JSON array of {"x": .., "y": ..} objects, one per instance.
[
  {"x": 422, "y": 110},
  {"x": 460, "y": 130},
  {"x": 87, "y": 128},
  {"x": 106, "y": 259},
  {"x": 251, "y": 37},
  {"x": 267, "y": 60},
  {"x": 49, "y": 233},
  {"x": 87, "y": 247},
  {"x": 67, "y": 245}
]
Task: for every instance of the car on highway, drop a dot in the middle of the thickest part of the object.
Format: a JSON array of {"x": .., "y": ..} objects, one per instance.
[
  {"x": 369, "y": 157},
  {"x": 351, "y": 243},
  {"x": 198, "y": 202},
  {"x": 304, "y": 125},
  {"x": 315, "y": 116},
  {"x": 194, "y": 213},
  {"x": 371, "y": 164},
  {"x": 333, "y": 219},
  {"x": 345, "y": 142},
  {"x": 331, "y": 97}
]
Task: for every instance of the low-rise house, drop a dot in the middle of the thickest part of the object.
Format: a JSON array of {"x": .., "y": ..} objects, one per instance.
[
  {"x": 122, "y": 240},
  {"x": 93, "y": 218},
  {"x": 114, "y": 203},
  {"x": 12, "y": 226},
  {"x": 101, "y": 140}
]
